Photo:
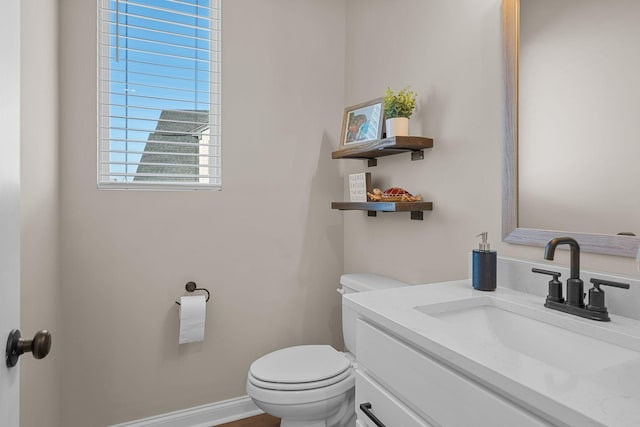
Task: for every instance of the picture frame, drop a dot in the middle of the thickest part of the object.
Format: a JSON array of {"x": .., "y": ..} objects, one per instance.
[{"x": 362, "y": 123}]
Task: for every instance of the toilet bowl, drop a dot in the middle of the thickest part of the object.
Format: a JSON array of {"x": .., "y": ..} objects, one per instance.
[
  {"x": 304, "y": 386},
  {"x": 313, "y": 385}
]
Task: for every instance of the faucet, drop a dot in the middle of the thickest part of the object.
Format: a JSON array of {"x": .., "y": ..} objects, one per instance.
[
  {"x": 574, "y": 304},
  {"x": 575, "y": 286}
]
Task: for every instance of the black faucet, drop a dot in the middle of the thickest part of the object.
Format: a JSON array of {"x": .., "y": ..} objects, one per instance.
[
  {"x": 575, "y": 286},
  {"x": 574, "y": 303}
]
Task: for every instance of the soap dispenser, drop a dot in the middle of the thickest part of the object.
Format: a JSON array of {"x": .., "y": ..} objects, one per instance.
[{"x": 484, "y": 266}]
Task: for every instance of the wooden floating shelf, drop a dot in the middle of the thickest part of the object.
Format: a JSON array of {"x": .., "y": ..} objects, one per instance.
[
  {"x": 385, "y": 147},
  {"x": 416, "y": 208},
  {"x": 383, "y": 206}
]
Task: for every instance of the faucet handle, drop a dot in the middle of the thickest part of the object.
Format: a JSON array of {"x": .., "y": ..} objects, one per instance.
[
  {"x": 555, "y": 286},
  {"x": 596, "y": 295},
  {"x": 555, "y": 274},
  {"x": 598, "y": 282}
]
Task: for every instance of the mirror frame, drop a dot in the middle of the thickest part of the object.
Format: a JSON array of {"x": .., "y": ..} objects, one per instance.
[{"x": 511, "y": 232}]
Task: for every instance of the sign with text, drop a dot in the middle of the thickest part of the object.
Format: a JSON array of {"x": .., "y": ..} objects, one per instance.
[{"x": 359, "y": 184}]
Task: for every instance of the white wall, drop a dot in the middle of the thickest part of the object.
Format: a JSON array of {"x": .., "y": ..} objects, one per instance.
[
  {"x": 268, "y": 247},
  {"x": 40, "y": 285},
  {"x": 450, "y": 52}
]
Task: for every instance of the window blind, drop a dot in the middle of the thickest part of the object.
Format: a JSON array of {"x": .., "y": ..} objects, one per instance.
[{"x": 159, "y": 118}]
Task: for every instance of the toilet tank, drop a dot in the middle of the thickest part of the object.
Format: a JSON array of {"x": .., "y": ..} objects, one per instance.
[{"x": 360, "y": 282}]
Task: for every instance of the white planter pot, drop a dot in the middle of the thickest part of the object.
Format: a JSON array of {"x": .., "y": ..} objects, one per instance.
[{"x": 397, "y": 126}]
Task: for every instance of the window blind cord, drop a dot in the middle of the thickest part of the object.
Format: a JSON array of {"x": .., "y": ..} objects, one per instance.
[
  {"x": 126, "y": 86},
  {"x": 195, "y": 65},
  {"x": 117, "y": 30}
]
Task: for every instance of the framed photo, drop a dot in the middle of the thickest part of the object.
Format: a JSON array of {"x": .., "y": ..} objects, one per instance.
[{"x": 362, "y": 123}]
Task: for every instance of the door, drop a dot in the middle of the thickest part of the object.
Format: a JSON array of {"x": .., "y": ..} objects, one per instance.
[{"x": 9, "y": 203}]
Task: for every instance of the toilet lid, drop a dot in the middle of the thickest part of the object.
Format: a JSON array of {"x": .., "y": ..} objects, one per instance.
[{"x": 300, "y": 364}]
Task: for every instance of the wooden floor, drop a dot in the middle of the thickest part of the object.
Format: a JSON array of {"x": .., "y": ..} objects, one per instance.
[{"x": 258, "y": 421}]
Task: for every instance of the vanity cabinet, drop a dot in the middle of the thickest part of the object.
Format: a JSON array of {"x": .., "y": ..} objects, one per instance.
[
  {"x": 385, "y": 407},
  {"x": 406, "y": 387}
]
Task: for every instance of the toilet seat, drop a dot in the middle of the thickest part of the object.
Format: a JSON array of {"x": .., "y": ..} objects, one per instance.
[
  {"x": 299, "y": 386},
  {"x": 300, "y": 368},
  {"x": 301, "y": 397}
]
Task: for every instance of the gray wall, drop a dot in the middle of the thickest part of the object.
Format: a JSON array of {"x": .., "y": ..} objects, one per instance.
[
  {"x": 267, "y": 246},
  {"x": 450, "y": 52}
]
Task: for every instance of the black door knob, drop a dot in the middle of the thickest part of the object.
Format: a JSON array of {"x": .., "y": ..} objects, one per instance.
[{"x": 39, "y": 346}]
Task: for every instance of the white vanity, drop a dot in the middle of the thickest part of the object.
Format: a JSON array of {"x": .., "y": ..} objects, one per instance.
[{"x": 447, "y": 355}]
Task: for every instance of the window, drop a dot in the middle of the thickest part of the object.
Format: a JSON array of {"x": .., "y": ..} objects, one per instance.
[{"x": 159, "y": 94}]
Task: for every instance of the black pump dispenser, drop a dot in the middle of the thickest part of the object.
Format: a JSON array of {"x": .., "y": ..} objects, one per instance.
[{"x": 484, "y": 266}]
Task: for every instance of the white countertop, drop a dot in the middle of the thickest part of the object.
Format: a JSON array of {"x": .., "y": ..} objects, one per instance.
[{"x": 608, "y": 396}]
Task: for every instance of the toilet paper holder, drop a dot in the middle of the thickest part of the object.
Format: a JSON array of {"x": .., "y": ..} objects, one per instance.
[{"x": 192, "y": 287}]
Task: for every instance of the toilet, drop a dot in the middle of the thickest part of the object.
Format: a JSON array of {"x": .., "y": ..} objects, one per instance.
[{"x": 314, "y": 385}]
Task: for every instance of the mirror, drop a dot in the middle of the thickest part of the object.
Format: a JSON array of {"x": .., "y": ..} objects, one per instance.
[{"x": 570, "y": 119}]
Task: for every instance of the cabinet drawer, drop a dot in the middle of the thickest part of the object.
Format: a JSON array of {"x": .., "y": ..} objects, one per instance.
[
  {"x": 384, "y": 406},
  {"x": 429, "y": 387}
]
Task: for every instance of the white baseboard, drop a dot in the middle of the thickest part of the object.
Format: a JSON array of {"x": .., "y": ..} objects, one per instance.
[{"x": 209, "y": 415}]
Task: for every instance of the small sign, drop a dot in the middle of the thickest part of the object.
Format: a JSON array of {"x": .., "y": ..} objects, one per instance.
[{"x": 359, "y": 184}]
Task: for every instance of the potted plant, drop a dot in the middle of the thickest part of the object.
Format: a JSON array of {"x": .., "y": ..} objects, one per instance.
[{"x": 398, "y": 107}]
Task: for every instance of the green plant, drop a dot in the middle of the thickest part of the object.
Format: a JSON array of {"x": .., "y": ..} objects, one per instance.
[{"x": 400, "y": 104}]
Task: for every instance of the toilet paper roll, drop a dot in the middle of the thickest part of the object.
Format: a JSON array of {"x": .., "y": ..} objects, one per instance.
[{"x": 193, "y": 310}]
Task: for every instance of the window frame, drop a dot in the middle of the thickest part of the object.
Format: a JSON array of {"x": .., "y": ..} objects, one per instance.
[{"x": 214, "y": 144}]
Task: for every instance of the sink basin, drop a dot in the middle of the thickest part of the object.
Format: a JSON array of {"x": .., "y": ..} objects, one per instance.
[{"x": 495, "y": 323}]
